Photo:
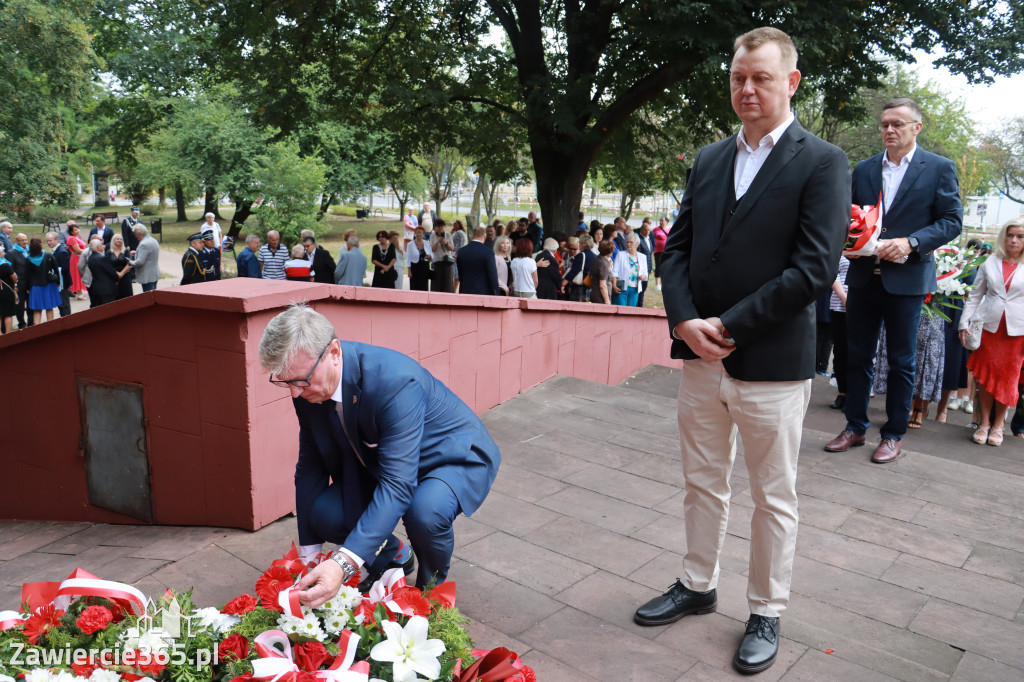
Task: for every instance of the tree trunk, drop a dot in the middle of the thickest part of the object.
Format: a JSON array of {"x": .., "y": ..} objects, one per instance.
[
  {"x": 489, "y": 202},
  {"x": 162, "y": 193},
  {"x": 179, "y": 202},
  {"x": 560, "y": 179},
  {"x": 481, "y": 187},
  {"x": 626, "y": 205},
  {"x": 243, "y": 209},
  {"x": 325, "y": 205},
  {"x": 211, "y": 203}
]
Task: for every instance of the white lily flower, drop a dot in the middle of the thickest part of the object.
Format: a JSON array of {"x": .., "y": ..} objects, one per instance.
[
  {"x": 212, "y": 619},
  {"x": 408, "y": 649}
]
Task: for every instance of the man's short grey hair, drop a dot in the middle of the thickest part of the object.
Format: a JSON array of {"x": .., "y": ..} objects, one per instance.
[
  {"x": 95, "y": 245},
  {"x": 252, "y": 238},
  {"x": 7, "y": 225},
  {"x": 353, "y": 241},
  {"x": 550, "y": 244},
  {"x": 904, "y": 102},
  {"x": 298, "y": 251},
  {"x": 306, "y": 233},
  {"x": 141, "y": 230},
  {"x": 297, "y": 329},
  {"x": 51, "y": 234},
  {"x": 209, "y": 215}
]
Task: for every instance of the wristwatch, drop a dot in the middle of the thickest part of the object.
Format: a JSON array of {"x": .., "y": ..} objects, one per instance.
[
  {"x": 346, "y": 565},
  {"x": 914, "y": 244}
]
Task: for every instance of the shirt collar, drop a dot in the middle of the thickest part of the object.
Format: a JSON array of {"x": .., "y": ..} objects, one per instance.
[
  {"x": 741, "y": 140},
  {"x": 337, "y": 397},
  {"x": 905, "y": 161}
]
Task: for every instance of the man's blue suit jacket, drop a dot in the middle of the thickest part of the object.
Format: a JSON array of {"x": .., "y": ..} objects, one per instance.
[
  {"x": 405, "y": 426},
  {"x": 478, "y": 273},
  {"x": 926, "y": 206}
]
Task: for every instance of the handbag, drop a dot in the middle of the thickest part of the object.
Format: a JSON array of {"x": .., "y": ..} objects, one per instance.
[
  {"x": 974, "y": 335},
  {"x": 52, "y": 277},
  {"x": 578, "y": 279},
  {"x": 587, "y": 282}
]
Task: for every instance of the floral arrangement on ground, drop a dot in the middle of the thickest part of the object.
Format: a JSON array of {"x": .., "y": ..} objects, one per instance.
[{"x": 87, "y": 628}]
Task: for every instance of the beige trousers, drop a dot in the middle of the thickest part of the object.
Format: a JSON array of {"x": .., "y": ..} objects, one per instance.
[{"x": 769, "y": 417}]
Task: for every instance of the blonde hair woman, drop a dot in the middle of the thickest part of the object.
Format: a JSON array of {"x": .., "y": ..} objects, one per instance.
[{"x": 997, "y": 301}]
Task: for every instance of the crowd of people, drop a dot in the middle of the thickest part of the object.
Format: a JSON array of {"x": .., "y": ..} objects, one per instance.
[
  {"x": 608, "y": 264},
  {"x": 40, "y": 275}
]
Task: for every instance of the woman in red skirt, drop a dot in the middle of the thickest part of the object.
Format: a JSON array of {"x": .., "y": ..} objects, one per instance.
[{"x": 998, "y": 301}]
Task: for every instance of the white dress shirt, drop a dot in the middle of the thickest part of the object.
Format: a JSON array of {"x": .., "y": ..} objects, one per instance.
[
  {"x": 892, "y": 177},
  {"x": 750, "y": 160}
]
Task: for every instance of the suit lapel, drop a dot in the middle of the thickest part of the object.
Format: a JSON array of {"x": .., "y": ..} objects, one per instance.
[
  {"x": 911, "y": 176},
  {"x": 788, "y": 147},
  {"x": 722, "y": 169},
  {"x": 351, "y": 379}
]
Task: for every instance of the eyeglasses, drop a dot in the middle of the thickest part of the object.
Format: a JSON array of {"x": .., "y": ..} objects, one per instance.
[
  {"x": 301, "y": 383},
  {"x": 895, "y": 125}
]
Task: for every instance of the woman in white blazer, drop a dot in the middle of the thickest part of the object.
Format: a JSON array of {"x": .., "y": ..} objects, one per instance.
[{"x": 998, "y": 301}]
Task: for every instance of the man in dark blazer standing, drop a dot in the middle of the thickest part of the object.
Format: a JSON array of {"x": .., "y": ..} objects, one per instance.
[
  {"x": 921, "y": 211},
  {"x": 757, "y": 240},
  {"x": 321, "y": 262},
  {"x": 380, "y": 440},
  {"x": 102, "y": 230},
  {"x": 478, "y": 273}
]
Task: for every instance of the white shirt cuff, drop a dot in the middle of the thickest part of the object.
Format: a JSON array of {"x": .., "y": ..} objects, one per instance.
[{"x": 356, "y": 560}]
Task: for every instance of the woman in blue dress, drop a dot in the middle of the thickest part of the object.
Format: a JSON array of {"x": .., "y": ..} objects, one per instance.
[{"x": 43, "y": 281}]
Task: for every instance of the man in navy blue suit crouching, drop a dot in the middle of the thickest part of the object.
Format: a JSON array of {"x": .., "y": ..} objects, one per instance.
[{"x": 380, "y": 439}]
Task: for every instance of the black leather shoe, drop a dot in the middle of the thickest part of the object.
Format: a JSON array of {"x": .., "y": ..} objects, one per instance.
[
  {"x": 674, "y": 604},
  {"x": 759, "y": 646},
  {"x": 839, "y": 403},
  {"x": 373, "y": 576}
]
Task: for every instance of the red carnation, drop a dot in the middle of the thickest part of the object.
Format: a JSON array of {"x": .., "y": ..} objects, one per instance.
[
  {"x": 42, "y": 620},
  {"x": 94, "y": 619},
  {"x": 310, "y": 655},
  {"x": 235, "y": 646},
  {"x": 274, "y": 581},
  {"x": 239, "y": 605}
]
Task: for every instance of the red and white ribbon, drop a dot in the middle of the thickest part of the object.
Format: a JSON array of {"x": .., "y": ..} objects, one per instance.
[
  {"x": 11, "y": 619},
  {"x": 277, "y": 661},
  {"x": 383, "y": 591},
  {"x": 82, "y": 584},
  {"x": 289, "y": 601}
]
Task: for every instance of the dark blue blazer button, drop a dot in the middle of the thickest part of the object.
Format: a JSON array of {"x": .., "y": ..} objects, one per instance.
[{"x": 714, "y": 257}]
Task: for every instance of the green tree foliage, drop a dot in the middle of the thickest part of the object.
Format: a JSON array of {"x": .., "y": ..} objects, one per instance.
[
  {"x": 289, "y": 184},
  {"x": 1006, "y": 151},
  {"x": 47, "y": 63},
  {"x": 571, "y": 74}
]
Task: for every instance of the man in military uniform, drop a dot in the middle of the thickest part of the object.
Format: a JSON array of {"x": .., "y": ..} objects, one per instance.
[
  {"x": 131, "y": 242},
  {"x": 210, "y": 256},
  {"x": 191, "y": 264}
]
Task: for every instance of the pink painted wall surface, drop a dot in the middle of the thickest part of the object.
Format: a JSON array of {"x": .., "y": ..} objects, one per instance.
[{"x": 222, "y": 441}]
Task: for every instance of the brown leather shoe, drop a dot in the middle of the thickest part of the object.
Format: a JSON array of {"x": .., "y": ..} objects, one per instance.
[
  {"x": 844, "y": 441},
  {"x": 888, "y": 450}
]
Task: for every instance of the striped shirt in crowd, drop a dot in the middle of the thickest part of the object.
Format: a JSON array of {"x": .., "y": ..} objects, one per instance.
[{"x": 273, "y": 261}]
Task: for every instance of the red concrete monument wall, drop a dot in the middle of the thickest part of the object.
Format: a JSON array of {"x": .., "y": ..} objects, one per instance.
[{"x": 221, "y": 440}]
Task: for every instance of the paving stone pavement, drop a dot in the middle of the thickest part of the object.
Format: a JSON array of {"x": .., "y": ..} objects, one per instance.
[{"x": 911, "y": 571}]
